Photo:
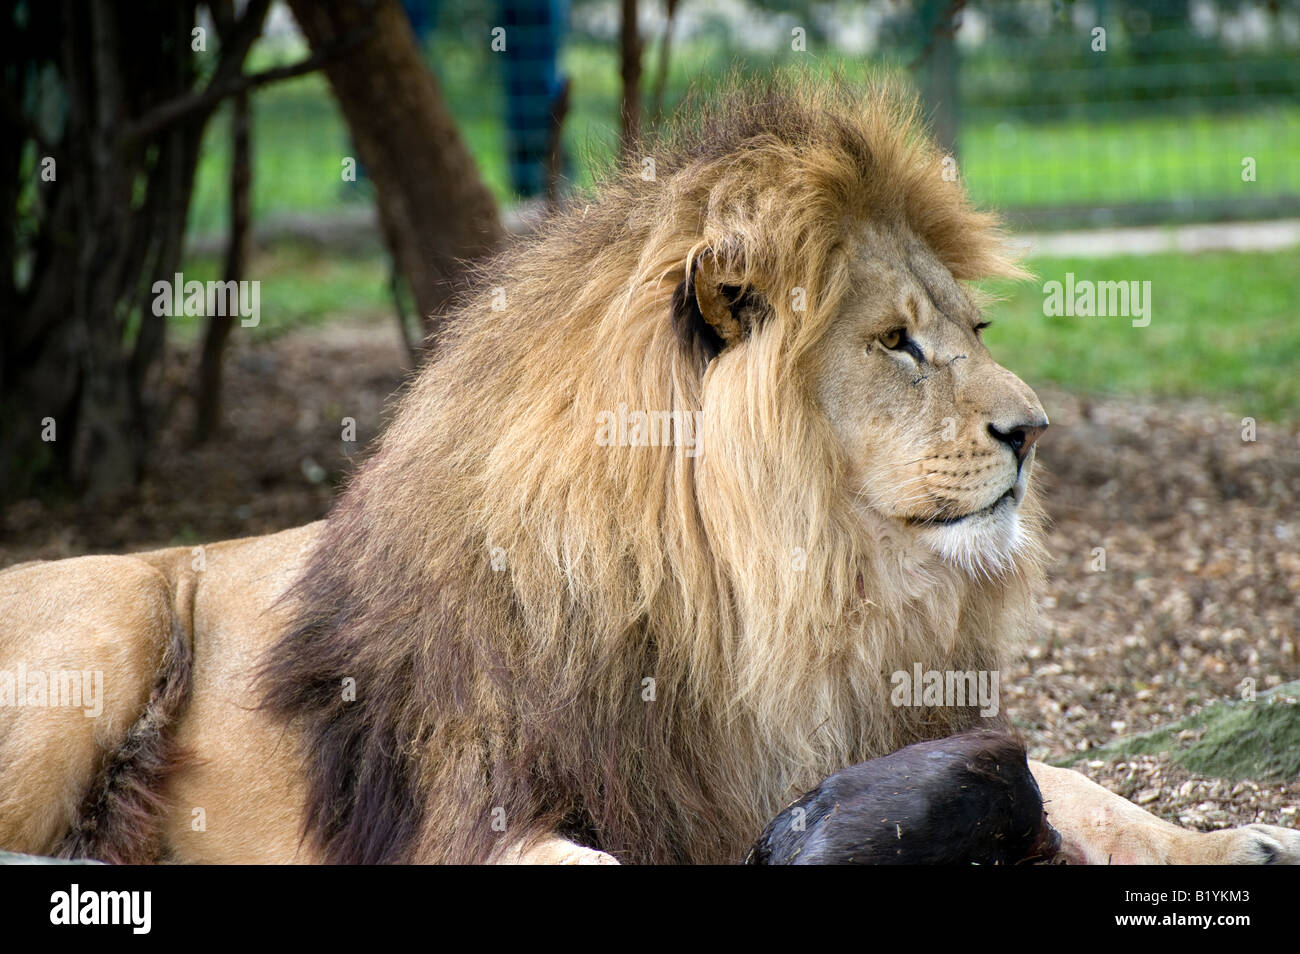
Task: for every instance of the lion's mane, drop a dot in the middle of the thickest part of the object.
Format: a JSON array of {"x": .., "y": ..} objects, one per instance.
[{"x": 647, "y": 650}]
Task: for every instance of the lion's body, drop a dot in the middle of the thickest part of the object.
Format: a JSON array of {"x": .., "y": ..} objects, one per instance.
[
  {"x": 117, "y": 615},
  {"x": 515, "y": 625}
]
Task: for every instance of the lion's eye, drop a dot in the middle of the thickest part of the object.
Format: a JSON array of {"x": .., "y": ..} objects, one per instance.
[
  {"x": 897, "y": 339},
  {"x": 980, "y": 328}
]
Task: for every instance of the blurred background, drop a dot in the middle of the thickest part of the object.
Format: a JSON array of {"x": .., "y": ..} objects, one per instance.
[
  {"x": 350, "y": 156},
  {"x": 352, "y": 163},
  {"x": 1048, "y": 129}
]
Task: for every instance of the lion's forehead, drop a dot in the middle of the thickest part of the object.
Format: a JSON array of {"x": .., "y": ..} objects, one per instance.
[
  {"x": 888, "y": 265},
  {"x": 949, "y": 298}
]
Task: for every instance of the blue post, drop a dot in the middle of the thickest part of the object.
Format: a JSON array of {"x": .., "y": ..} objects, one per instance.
[{"x": 534, "y": 29}]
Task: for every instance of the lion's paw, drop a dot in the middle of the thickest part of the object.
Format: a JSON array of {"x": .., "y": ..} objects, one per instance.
[
  {"x": 1285, "y": 847},
  {"x": 557, "y": 851},
  {"x": 1253, "y": 845},
  {"x": 590, "y": 857},
  {"x": 578, "y": 855}
]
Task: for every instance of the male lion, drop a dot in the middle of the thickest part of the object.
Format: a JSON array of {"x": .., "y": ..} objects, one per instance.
[{"x": 528, "y": 633}]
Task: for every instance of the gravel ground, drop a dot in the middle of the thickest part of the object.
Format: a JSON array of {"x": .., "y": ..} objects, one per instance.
[
  {"x": 1199, "y": 529},
  {"x": 1198, "y": 594}
]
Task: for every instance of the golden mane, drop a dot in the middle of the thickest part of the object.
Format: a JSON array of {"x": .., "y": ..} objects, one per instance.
[{"x": 648, "y": 650}]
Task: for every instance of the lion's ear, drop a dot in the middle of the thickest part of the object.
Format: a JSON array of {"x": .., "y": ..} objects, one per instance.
[{"x": 711, "y": 308}]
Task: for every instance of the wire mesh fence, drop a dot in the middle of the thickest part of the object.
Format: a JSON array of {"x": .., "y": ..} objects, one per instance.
[
  {"x": 1131, "y": 112},
  {"x": 1061, "y": 113}
]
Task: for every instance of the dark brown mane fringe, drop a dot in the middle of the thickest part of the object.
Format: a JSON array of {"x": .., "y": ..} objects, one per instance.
[
  {"x": 430, "y": 679},
  {"x": 366, "y": 804},
  {"x": 120, "y": 816}
]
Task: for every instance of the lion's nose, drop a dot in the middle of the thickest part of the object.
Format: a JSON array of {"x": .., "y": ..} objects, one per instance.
[{"x": 1020, "y": 437}]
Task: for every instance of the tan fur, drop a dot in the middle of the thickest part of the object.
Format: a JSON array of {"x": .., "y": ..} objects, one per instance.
[
  {"x": 105, "y": 614},
  {"x": 116, "y": 615},
  {"x": 500, "y": 584}
]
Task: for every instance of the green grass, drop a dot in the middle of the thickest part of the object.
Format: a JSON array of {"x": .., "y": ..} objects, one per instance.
[
  {"x": 1224, "y": 326},
  {"x": 298, "y": 141},
  {"x": 1258, "y": 740},
  {"x": 1006, "y": 164},
  {"x": 300, "y": 287}
]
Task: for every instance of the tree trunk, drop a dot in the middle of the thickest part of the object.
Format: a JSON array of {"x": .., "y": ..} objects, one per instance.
[
  {"x": 661, "y": 74},
  {"x": 208, "y": 384},
  {"x": 630, "y": 68},
  {"x": 938, "y": 59},
  {"x": 434, "y": 210}
]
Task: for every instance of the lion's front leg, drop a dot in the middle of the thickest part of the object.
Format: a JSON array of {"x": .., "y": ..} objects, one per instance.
[
  {"x": 554, "y": 850},
  {"x": 1099, "y": 827}
]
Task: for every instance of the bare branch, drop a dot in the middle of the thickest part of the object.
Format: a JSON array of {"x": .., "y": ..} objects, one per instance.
[
  {"x": 230, "y": 81},
  {"x": 174, "y": 110}
]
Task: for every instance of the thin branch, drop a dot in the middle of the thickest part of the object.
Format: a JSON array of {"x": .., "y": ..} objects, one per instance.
[
  {"x": 557, "y": 113},
  {"x": 172, "y": 111},
  {"x": 224, "y": 86},
  {"x": 630, "y": 69},
  {"x": 661, "y": 77}
]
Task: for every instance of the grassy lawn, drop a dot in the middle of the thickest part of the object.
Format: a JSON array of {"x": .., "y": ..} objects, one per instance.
[
  {"x": 1224, "y": 326},
  {"x": 298, "y": 287},
  {"x": 1155, "y": 157},
  {"x": 298, "y": 140}
]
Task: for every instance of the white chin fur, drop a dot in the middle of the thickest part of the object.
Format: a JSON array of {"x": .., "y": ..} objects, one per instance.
[{"x": 981, "y": 545}]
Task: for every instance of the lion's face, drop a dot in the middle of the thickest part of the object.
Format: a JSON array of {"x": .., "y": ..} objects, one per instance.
[{"x": 938, "y": 437}]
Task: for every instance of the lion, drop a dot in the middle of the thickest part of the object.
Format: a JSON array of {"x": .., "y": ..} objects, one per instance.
[{"x": 688, "y": 475}]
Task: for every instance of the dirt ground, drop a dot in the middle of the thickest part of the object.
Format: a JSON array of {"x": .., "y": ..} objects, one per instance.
[
  {"x": 1199, "y": 528},
  {"x": 1201, "y": 541}
]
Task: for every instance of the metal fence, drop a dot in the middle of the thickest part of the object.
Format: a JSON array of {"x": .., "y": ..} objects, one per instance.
[
  {"x": 1130, "y": 112},
  {"x": 1060, "y": 113}
]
